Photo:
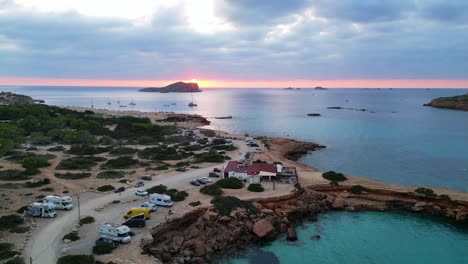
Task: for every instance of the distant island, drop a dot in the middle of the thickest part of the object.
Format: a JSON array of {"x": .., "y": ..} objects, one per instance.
[
  {"x": 320, "y": 88},
  {"x": 178, "y": 87},
  {"x": 459, "y": 102},
  {"x": 8, "y": 98}
]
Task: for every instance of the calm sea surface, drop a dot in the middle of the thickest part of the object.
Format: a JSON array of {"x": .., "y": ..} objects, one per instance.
[{"x": 396, "y": 140}]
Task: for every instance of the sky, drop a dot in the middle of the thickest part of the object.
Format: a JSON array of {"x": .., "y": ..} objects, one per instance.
[{"x": 235, "y": 43}]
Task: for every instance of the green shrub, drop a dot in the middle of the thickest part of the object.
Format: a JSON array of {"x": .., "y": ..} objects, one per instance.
[
  {"x": 76, "y": 259},
  {"x": 444, "y": 197},
  {"x": 334, "y": 176},
  {"x": 73, "y": 176},
  {"x": 255, "y": 187},
  {"x": 177, "y": 196},
  {"x": 182, "y": 163},
  {"x": 162, "y": 167},
  {"x": 106, "y": 140},
  {"x": 194, "y": 204},
  {"x": 32, "y": 164},
  {"x": 123, "y": 151},
  {"x": 72, "y": 236},
  {"x": 357, "y": 189},
  {"x": 208, "y": 133},
  {"x": 47, "y": 189},
  {"x": 15, "y": 260},
  {"x": 105, "y": 188},
  {"x": 208, "y": 157},
  {"x": 79, "y": 163},
  {"x": 110, "y": 174},
  {"x": 120, "y": 163},
  {"x": 6, "y": 251},
  {"x": 102, "y": 249},
  {"x": 211, "y": 189},
  {"x": 37, "y": 183},
  {"x": 56, "y": 148},
  {"x": 22, "y": 209},
  {"x": 230, "y": 183},
  {"x": 19, "y": 229},
  {"x": 426, "y": 191},
  {"x": 224, "y": 147},
  {"x": 86, "y": 220},
  {"x": 13, "y": 175},
  {"x": 225, "y": 204},
  {"x": 161, "y": 189},
  {"x": 87, "y": 150}
]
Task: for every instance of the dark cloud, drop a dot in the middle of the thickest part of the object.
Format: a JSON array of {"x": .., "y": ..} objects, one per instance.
[{"x": 446, "y": 11}]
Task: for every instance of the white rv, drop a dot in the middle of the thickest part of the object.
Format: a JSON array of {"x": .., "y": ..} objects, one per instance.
[
  {"x": 161, "y": 199},
  {"x": 121, "y": 232},
  {"x": 45, "y": 210},
  {"x": 60, "y": 202}
]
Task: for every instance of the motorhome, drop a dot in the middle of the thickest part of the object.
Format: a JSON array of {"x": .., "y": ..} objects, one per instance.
[
  {"x": 60, "y": 202},
  {"x": 46, "y": 210},
  {"x": 121, "y": 232},
  {"x": 161, "y": 199}
]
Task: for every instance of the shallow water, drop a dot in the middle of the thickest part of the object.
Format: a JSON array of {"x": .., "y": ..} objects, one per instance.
[
  {"x": 366, "y": 238},
  {"x": 397, "y": 140}
]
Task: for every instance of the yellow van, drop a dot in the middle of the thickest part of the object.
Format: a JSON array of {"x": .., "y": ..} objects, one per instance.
[{"x": 138, "y": 210}]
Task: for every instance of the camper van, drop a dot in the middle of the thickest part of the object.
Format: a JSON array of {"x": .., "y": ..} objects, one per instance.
[
  {"x": 138, "y": 210},
  {"x": 161, "y": 199},
  {"x": 46, "y": 210},
  {"x": 121, "y": 232},
  {"x": 60, "y": 202}
]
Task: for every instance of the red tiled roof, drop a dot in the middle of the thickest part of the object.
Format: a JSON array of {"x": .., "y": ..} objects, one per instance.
[{"x": 253, "y": 169}]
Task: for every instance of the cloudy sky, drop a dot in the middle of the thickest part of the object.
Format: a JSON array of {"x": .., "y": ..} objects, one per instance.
[{"x": 235, "y": 43}]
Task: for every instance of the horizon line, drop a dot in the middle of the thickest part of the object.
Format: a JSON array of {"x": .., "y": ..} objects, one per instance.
[{"x": 236, "y": 84}]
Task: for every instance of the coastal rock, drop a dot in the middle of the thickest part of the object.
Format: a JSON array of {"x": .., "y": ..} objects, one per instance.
[
  {"x": 339, "y": 203},
  {"x": 291, "y": 234},
  {"x": 200, "y": 248},
  {"x": 459, "y": 102},
  {"x": 177, "y": 242},
  {"x": 8, "y": 98},
  {"x": 262, "y": 228}
]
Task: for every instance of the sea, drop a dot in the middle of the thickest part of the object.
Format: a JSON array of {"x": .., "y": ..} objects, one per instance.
[{"x": 395, "y": 140}]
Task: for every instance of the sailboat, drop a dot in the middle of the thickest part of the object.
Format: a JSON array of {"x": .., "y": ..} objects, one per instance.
[
  {"x": 192, "y": 104},
  {"x": 108, "y": 102},
  {"x": 132, "y": 103}
]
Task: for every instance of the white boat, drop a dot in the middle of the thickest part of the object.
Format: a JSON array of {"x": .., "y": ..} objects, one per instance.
[
  {"x": 192, "y": 104},
  {"x": 132, "y": 103}
]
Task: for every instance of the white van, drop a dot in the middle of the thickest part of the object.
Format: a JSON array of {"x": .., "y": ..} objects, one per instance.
[
  {"x": 161, "y": 199},
  {"x": 60, "y": 202},
  {"x": 121, "y": 232}
]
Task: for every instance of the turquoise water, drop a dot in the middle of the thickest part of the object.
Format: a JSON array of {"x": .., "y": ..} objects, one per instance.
[
  {"x": 397, "y": 140},
  {"x": 366, "y": 238}
]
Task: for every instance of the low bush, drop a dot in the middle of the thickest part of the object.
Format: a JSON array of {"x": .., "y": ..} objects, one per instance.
[
  {"x": 76, "y": 259},
  {"x": 120, "y": 163},
  {"x": 255, "y": 187},
  {"x": 161, "y": 189},
  {"x": 32, "y": 164},
  {"x": 47, "y": 189},
  {"x": 224, "y": 147},
  {"x": 182, "y": 163},
  {"x": 19, "y": 229},
  {"x": 444, "y": 197},
  {"x": 72, "y": 236},
  {"x": 194, "y": 204},
  {"x": 87, "y": 150},
  {"x": 22, "y": 209},
  {"x": 357, "y": 189},
  {"x": 426, "y": 191},
  {"x": 15, "y": 260},
  {"x": 121, "y": 151},
  {"x": 73, "y": 176},
  {"x": 177, "y": 196},
  {"x": 56, "y": 148},
  {"x": 225, "y": 204},
  {"x": 105, "y": 188},
  {"x": 110, "y": 174},
  {"x": 13, "y": 175},
  {"x": 230, "y": 183},
  {"x": 211, "y": 189},
  {"x": 162, "y": 167},
  {"x": 79, "y": 163},
  {"x": 102, "y": 249},
  {"x": 334, "y": 176},
  {"x": 208, "y": 133},
  {"x": 36, "y": 184},
  {"x": 208, "y": 157},
  {"x": 6, "y": 251},
  {"x": 86, "y": 220}
]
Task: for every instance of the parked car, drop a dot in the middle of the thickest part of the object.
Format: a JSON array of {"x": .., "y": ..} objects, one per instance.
[
  {"x": 196, "y": 183},
  {"x": 108, "y": 241},
  {"x": 119, "y": 189},
  {"x": 146, "y": 178},
  {"x": 206, "y": 179},
  {"x": 213, "y": 174},
  {"x": 150, "y": 206},
  {"x": 182, "y": 169},
  {"x": 139, "y": 184},
  {"x": 221, "y": 152},
  {"x": 141, "y": 192},
  {"x": 201, "y": 181},
  {"x": 216, "y": 170},
  {"x": 135, "y": 221}
]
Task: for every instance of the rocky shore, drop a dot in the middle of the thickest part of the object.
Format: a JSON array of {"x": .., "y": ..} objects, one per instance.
[
  {"x": 300, "y": 149},
  {"x": 8, "y": 98},
  {"x": 459, "y": 102},
  {"x": 199, "y": 236}
]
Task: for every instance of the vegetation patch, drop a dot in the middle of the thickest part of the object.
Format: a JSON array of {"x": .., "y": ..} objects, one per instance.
[
  {"x": 15, "y": 260},
  {"x": 224, "y": 147},
  {"x": 425, "y": 191},
  {"x": 102, "y": 249},
  {"x": 334, "y": 177},
  {"x": 87, "y": 150},
  {"x": 86, "y": 220},
  {"x": 32, "y": 164},
  {"x": 13, "y": 175},
  {"x": 161, "y": 189},
  {"x": 105, "y": 188},
  {"x": 120, "y": 163},
  {"x": 211, "y": 189},
  {"x": 20, "y": 229},
  {"x": 10, "y": 221},
  {"x": 194, "y": 204},
  {"x": 162, "y": 153},
  {"x": 225, "y": 204},
  {"x": 110, "y": 174},
  {"x": 208, "y": 132},
  {"x": 79, "y": 163},
  {"x": 122, "y": 151},
  {"x": 19, "y": 156},
  {"x": 72, "y": 236},
  {"x": 36, "y": 184},
  {"x": 76, "y": 259},
  {"x": 255, "y": 187},
  {"x": 56, "y": 148},
  {"x": 177, "y": 196},
  {"x": 47, "y": 189},
  {"x": 6, "y": 251},
  {"x": 357, "y": 189},
  {"x": 73, "y": 176},
  {"x": 208, "y": 157},
  {"x": 230, "y": 183}
]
